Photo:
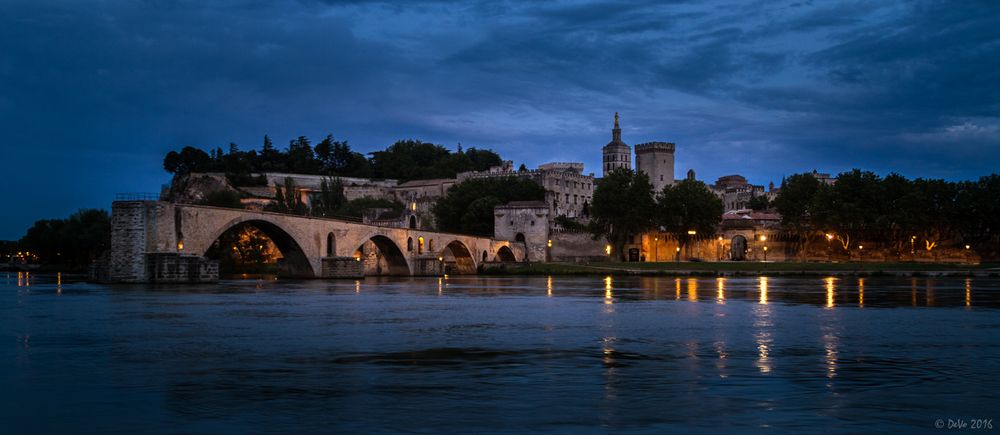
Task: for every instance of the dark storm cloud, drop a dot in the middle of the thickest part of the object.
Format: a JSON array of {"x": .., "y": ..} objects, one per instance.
[{"x": 93, "y": 93}]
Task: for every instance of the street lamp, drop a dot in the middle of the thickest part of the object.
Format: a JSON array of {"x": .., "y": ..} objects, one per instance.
[
  {"x": 765, "y": 254},
  {"x": 861, "y": 253},
  {"x": 677, "y": 257}
]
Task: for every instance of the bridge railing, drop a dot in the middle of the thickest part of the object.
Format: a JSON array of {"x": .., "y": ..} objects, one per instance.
[{"x": 137, "y": 196}]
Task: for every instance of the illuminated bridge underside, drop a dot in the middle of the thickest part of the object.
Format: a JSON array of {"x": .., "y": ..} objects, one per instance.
[{"x": 160, "y": 241}]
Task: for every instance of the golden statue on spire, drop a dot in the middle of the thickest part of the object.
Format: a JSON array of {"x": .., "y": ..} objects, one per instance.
[{"x": 616, "y": 119}]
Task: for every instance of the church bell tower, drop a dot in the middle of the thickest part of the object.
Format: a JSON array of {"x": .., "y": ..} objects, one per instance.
[{"x": 617, "y": 154}]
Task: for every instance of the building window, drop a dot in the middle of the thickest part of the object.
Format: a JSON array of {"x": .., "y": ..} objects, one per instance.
[
  {"x": 567, "y": 197},
  {"x": 409, "y": 244},
  {"x": 420, "y": 245},
  {"x": 532, "y": 223}
]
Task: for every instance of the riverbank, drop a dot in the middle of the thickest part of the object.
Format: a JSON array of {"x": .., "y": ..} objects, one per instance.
[{"x": 747, "y": 269}]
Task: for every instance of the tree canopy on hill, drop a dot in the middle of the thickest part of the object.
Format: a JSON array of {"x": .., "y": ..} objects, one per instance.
[
  {"x": 468, "y": 206},
  {"x": 404, "y": 160}
]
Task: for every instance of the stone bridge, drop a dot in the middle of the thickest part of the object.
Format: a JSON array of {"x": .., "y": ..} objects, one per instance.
[{"x": 158, "y": 241}]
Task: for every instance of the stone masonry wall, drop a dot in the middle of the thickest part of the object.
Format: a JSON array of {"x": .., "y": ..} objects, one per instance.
[
  {"x": 127, "y": 262},
  {"x": 342, "y": 267}
]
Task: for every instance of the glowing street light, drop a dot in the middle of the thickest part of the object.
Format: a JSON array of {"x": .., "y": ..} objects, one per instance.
[{"x": 765, "y": 254}]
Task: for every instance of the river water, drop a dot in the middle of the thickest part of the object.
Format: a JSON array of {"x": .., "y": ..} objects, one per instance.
[{"x": 513, "y": 354}]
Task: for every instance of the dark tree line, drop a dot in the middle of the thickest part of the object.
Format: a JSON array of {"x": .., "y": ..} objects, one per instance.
[
  {"x": 468, "y": 206},
  {"x": 404, "y": 160},
  {"x": 625, "y": 205},
  {"x": 72, "y": 242},
  {"x": 891, "y": 212}
]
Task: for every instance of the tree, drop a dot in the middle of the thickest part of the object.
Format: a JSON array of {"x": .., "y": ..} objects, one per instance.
[
  {"x": 286, "y": 199},
  {"x": 463, "y": 208},
  {"x": 330, "y": 199},
  {"x": 796, "y": 202},
  {"x": 72, "y": 242},
  {"x": 850, "y": 207},
  {"x": 357, "y": 207},
  {"x": 300, "y": 158},
  {"x": 688, "y": 206},
  {"x": 622, "y": 207},
  {"x": 223, "y": 198},
  {"x": 189, "y": 160},
  {"x": 759, "y": 203}
]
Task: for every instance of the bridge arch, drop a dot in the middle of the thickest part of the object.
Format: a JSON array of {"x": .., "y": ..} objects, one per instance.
[
  {"x": 296, "y": 262},
  {"x": 506, "y": 255},
  {"x": 393, "y": 256},
  {"x": 465, "y": 263}
]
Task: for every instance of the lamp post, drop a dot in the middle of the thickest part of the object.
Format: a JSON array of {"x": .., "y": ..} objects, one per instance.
[
  {"x": 655, "y": 248},
  {"x": 677, "y": 256},
  {"x": 861, "y": 255},
  {"x": 765, "y": 254}
]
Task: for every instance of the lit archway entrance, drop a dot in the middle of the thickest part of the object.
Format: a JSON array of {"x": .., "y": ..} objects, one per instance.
[
  {"x": 738, "y": 252},
  {"x": 257, "y": 246}
]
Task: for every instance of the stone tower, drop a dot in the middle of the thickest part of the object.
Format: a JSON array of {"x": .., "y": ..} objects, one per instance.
[
  {"x": 656, "y": 159},
  {"x": 617, "y": 154}
]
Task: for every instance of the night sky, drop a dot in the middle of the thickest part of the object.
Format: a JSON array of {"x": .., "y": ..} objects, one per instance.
[{"x": 94, "y": 93}]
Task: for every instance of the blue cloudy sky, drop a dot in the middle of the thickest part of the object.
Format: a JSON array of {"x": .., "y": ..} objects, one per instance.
[{"x": 93, "y": 93}]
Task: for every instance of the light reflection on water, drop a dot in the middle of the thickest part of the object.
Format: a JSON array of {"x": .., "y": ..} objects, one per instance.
[{"x": 500, "y": 353}]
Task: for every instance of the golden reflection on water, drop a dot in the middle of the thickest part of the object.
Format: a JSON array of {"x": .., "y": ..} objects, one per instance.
[
  {"x": 548, "y": 287},
  {"x": 59, "y": 283},
  {"x": 720, "y": 362},
  {"x": 763, "y": 290},
  {"x": 829, "y": 290},
  {"x": 608, "y": 298},
  {"x": 441, "y": 286},
  {"x": 610, "y": 375},
  {"x": 968, "y": 292},
  {"x": 721, "y": 297},
  {"x": 861, "y": 292},
  {"x": 24, "y": 279},
  {"x": 830, "y": 345},
  {"x": 692, "y": 285},
  {"x": 764, "y": 341},
  {"x": 357, "y": 286}
]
